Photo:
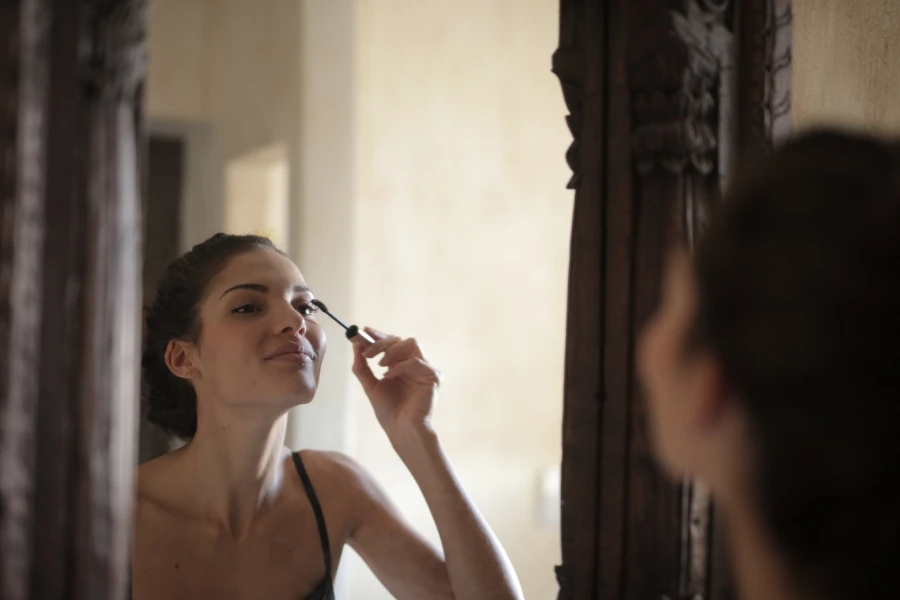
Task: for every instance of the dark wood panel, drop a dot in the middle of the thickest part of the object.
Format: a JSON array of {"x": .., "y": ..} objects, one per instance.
[
  {"x": 653, "y": 523},
  {"x": 578, "y": 63},
  {"x": 108, "y": 402},
  {"x": 23, "y": 92},
  {"x": 69, "y": 294},
  {"x": 617, "y": 313},
  {"x": 61, "y": 322},
  {"x": 677, "y": 54}
]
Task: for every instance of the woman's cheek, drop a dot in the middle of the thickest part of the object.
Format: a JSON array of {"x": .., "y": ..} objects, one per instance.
[{"x": 315, "y": 333}]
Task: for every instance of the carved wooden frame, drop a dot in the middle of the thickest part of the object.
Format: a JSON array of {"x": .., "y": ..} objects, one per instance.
[
  {"x": 664, "y": 97},
  {"x": 70, "y": 241}
]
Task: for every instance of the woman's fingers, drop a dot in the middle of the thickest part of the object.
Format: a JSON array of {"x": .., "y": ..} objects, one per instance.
[
  {"x": 362, "y": 370},
  {"x": 401, "y": 350},
  {"x": 382, "y": 342},
  {"x": 401, "y": 356},
  {"x": 393, "y": 347},
  {"x": 378, "y": 335},
  {"x": 416, "y": 369}
]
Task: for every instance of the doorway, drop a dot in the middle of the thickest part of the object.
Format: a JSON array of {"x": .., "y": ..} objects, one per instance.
[{"x": 162, "y": 239}]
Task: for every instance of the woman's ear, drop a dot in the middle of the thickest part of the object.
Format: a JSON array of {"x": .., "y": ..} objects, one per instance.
[{"x": 179, "y": 359}]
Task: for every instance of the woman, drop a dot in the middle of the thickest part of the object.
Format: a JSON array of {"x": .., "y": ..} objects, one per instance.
[
  {"x": 232, "y": 344},
  {"x": 771, "y": 370}
]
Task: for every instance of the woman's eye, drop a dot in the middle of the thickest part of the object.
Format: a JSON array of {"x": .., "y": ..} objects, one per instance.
[
  {"x": 308, "y": 310},
  {"x": 246, "y": 309}
]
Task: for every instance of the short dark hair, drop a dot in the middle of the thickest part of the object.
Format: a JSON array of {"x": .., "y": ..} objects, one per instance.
[
  {"x": 175, "y": 315},
  {"x": 798, "y": 282}
]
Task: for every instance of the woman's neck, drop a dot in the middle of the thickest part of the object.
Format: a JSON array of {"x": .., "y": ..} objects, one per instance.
[
  {"x": 236, "y": 464},
  {"x": 759, "y": 565}
]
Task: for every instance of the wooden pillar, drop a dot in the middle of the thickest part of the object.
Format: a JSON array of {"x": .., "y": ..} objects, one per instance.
[
  {"x": 70, "y": 248},
  {"x": 664, "y": 97}
]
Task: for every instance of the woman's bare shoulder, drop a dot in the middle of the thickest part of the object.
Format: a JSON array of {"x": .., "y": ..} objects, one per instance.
[
  {"x": 155, "y": 480},
  {"x": 332, "y": 468},
  {"x": 342, "y": 476}
]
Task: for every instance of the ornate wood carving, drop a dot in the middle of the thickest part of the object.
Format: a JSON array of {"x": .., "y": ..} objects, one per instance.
[
  {"x": 662, "y": 85},
  {"x": 765, "y": 72},
  {"x": 71, "y": 233},
  {"x": 675, "y": 89},
  {"x": 568, "y": 66}
]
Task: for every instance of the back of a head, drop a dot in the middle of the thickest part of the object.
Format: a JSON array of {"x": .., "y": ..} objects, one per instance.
[{"x": 799, "y": 295}]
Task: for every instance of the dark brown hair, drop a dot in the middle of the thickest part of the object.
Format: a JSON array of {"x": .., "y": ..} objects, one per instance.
[
  {"x": 175, "y": 315},
  {"x": 799, "y": 296}
]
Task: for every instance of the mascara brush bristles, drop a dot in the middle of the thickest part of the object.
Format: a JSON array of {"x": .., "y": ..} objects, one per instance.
[
  {"x": 352, "y": 330},
  {"x": 325, "y": 310}
]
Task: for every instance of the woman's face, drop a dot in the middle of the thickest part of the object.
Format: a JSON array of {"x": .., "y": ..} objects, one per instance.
[
  {"x": 676, "y": 381},
  {"x": 259, "y": 340}
]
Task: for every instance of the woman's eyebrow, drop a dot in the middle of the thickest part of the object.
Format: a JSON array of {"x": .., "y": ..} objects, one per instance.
[{"x": 259, "y": 287}]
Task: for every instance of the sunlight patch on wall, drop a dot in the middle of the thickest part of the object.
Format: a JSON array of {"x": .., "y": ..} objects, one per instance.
[{"x": 256, "y": 194}]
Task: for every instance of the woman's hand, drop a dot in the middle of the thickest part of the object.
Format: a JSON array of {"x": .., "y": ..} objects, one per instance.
[
  {"x": 405, "y": 396},
  {"x": 476, "y": 566}
]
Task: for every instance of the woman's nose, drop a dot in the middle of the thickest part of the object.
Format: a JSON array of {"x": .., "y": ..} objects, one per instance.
[{"x": 294, "y": 322}]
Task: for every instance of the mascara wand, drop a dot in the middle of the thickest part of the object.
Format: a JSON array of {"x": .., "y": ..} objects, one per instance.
[{"x": 351, "y": 330}]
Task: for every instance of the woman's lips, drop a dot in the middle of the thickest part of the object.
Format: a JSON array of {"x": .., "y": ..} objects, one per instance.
[
  {"x": 292, "y": 353},
  {"x": 297, "y": 357}
]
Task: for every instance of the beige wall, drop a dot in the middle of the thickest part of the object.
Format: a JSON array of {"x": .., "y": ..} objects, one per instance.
[
  {"x": 230, "y": 69},
  {"x": 232, "y": 63},
  {"x": 253, "y": 72},
  {"x": 847, "y": 63},
  {"x": 178, "y": 67},
  {"x": 463, "y": 230}
]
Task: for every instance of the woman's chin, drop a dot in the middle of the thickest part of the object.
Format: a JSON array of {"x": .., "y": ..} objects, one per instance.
[
  {"x": 298, "y": 392},
  {"x": 284, "y": 391},
  {"x": 302, "y": 399}
]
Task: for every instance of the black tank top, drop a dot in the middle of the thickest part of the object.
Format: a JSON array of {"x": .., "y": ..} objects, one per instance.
[{"x": 325, "y": 589}]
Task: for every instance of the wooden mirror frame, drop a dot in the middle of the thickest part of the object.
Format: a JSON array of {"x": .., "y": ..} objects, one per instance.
[
  {"x": 664, "y": 98},
  {"x": 663, "y": 95},
  {"x": 71, "y": 74}
]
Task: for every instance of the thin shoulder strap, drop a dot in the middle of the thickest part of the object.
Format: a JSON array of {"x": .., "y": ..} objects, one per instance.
[{"x": 317, "y": 509}]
